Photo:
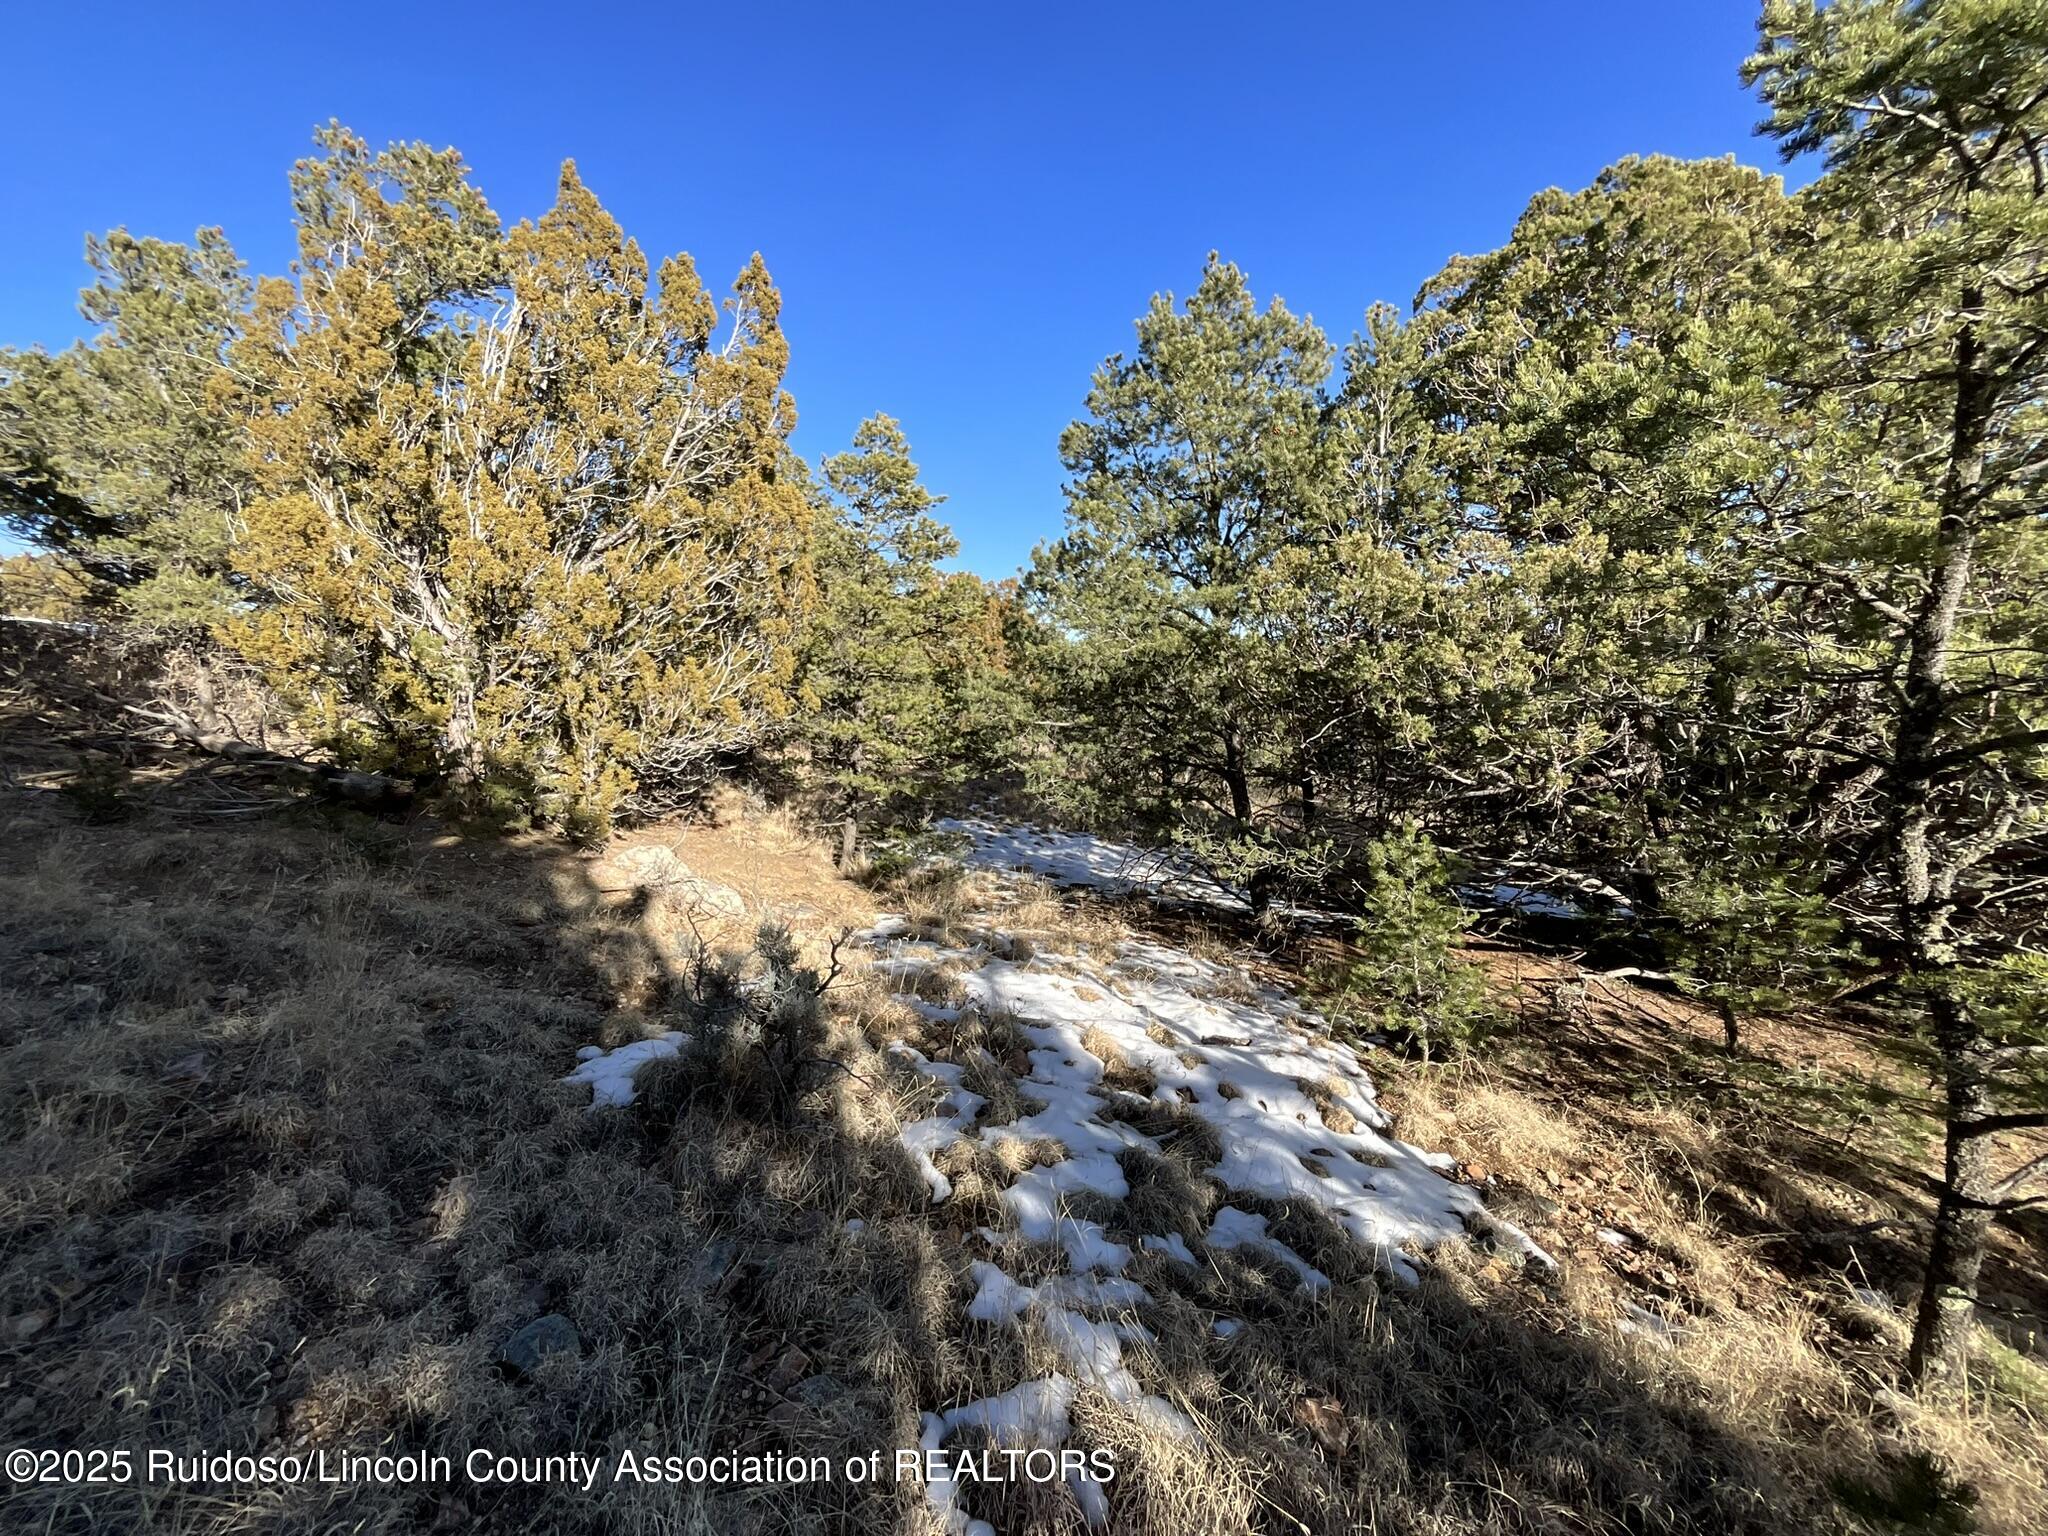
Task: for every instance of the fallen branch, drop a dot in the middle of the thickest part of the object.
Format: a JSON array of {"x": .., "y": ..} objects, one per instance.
[{"x": 372, "y": 791}]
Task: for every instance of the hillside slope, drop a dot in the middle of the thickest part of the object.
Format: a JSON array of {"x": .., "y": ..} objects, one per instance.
[{"x": 289, "y": 1164}]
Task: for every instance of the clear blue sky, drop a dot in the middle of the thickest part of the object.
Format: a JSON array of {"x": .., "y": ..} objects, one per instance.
[{"x": 965, "y": 206}]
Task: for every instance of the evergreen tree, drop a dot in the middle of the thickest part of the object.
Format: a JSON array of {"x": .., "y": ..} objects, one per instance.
[
  {"x": 1917, "y": 501},
  {"x": 1389, "y": 622},
  {"x": 1607, "y": 408},
  {"x": 1203, "y": 457},
  {"x": 520, "y": 519},
  {"x": 1406, "y": 975},
  {"x": 121, "y": 452},
  {"x": 901, "y": 651}
]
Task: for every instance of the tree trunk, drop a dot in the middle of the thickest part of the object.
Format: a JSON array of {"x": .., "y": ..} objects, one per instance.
[
  {"x": 1948, "y": 1294},
  {"x": 1731, "y": 1025},
  {"x": 1941, "y": 1330},
  {"x": 849, "y": 827},
  {"x": 1239, "y": 784}
]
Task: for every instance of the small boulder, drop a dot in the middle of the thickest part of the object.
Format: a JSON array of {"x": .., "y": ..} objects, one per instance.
[
  {"x": 650, "y": 866},
  {"x": 537, "y": 1341}
]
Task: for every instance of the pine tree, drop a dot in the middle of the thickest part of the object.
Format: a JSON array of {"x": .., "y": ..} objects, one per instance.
[
  {"x": 1607, "y": 408},
  {"x": 121, "y": 452},
  {"x": 901, "y": 649},
  {"x": 1918, "y": 500},
  {"x": 1202, "y": 458},
  {"x": 1406, "y": 975}
]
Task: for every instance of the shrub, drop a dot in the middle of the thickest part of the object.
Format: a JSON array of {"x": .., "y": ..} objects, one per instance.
[{"x": 758, "y": 1032}]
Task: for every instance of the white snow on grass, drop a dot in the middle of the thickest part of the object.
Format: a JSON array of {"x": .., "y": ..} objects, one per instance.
[
  {"x": 1233, "y": 1228},
  {"x": 1031, "y": 1414},
  {"x": 1247, "y": 1067},
  {"x": 926, "y": 1138},
  {"x": 1078, "y": 859},
  {"x": 1252, "y": 1061},
  {"x": 610, "y": 1073}
]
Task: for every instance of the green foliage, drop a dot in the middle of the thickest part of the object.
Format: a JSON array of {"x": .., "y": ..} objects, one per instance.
[
  {"x": 757, "y": 1031},
  {"x": 1745, "y": 929},
  {"x": 518, "y": 519},
  {"x": 45, "y": 587},
  {"x": 905, "y": 670},
  {"x": 1603, "y": 395},
  {"x": 122, "y": 452},
  {"x": 1921, "y": 1498},
  {"x": 101, "y": 791},
  {"x": 1407, "y": 976},
  {"x": 926, "y": 858},
  {"x": 1914, "y": 501},
  {"x": 1203, "y": 458}
]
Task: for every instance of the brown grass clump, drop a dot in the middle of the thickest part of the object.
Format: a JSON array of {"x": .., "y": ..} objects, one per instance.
[
  {"x": 1119, "y": 1073},
  {"x": 1324, "y": 1095},
  {"x": 1719, "y": 1249}
]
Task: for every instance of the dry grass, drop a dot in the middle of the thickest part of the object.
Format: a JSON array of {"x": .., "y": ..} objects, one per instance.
[
  {"x": 284, "y": 1161},
  {"x": 1759, "y": 1258}
]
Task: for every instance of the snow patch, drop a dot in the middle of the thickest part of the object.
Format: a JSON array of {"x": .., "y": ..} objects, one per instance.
[
  {"x": 1095, "y": 863},
  {"x": 610, "y": 1073},
  {"x": 1234, "y": 1228}
]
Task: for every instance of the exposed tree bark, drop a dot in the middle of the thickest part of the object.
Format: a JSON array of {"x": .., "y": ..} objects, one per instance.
[
  {"x": 372, "y": 791},
  {"x": 1941, "y": 1328},
  {"x": 1948, "y": 1295},
  {"x": 1238, "y": 781},
  {"x": 1731, "y": 1025}
]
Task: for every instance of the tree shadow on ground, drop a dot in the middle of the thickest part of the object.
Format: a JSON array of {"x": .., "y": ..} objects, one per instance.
[{"x": 288, "y": 1162}]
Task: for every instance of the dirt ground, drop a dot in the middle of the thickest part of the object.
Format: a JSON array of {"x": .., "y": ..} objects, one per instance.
[{"x": 286, "y": 1164}]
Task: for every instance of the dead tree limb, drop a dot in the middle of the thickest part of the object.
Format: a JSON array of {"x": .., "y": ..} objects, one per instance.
[{"x": 371, "y": 791}]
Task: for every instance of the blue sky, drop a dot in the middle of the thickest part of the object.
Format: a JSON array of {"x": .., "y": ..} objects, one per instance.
[{"x": 965, "y": 206}]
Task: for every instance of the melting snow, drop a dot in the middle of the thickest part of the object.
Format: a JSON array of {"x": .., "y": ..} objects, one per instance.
[
  {"x": 1076, "y": 859},
  {"x": 1249, "y": 1059},
  {"x": 1233, "y": 1228},
  {"x": 610, "y": 1073}
]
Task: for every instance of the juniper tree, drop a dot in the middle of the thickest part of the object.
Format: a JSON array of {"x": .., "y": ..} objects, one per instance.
[{"x": 523, "y": 517}]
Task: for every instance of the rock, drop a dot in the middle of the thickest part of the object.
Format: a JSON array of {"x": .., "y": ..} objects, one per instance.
[
  {"x": 713, "y": 1262},
  {"x": 789, "y": 1370},
  {"x": 538, "y": 1340},
  {"x": 817, "y": 1392},
  {"x": 24, "y": 1326},
  {"x": 812, "y": 1400},
  {"x": 655, "y": 868}
]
